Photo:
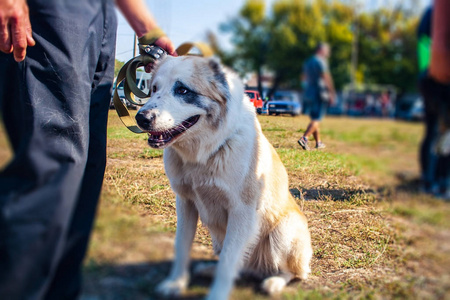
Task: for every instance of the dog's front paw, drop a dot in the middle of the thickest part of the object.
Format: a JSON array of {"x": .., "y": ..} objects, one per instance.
[
  {"x": 170, "y": 287},
  {"x": 219, "y": 291},
  {"x": 273, "y": 285}
]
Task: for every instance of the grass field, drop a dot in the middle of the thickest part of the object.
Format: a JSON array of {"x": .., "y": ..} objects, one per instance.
[{"x": 374, "y": 235}]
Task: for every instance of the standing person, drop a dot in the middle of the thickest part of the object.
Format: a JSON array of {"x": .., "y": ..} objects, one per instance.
[
  {"x": 428, "y": 157},
  {"x": 56, "y": 74},
  {"x": 385, "y": 104},
  {"x": 319, "y": 90},
  {"x": 434, "y": 83}
]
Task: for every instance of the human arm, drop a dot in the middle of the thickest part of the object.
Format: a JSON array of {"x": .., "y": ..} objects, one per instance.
[
  {"x": 303, "y": 76},
  {"x": 330, "y": 85},
  {"x": 440, "y": 49},
  {"x": 15, "y": 28},
  {"x": 303, "y": 80},
  {"x": 142, "y": 21}
]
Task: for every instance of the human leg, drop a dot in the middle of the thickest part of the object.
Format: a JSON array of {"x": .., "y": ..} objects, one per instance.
[
  {"x": 317, "y": 116},
  {"x": 45, "y": 108},
  {"x": 428, "y": 157},
  {"x": 66, "y": 283},
  {"x": 443, "y": 141},
  {"x": 316, "y": 134},
  {"x": 311, "y": 129},
  {"x": 313, "y": 108}
]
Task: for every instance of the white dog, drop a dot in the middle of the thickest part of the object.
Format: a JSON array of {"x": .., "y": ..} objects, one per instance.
[{"x": 223, "y": 169}]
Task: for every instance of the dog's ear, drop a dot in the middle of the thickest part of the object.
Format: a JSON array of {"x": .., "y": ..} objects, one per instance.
[
  {"x": 220, "y": 83},
  {"x": 219, "y": 73}
]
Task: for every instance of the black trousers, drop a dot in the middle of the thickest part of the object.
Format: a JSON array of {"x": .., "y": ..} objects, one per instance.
[
  {"x": 435, "y": 168},
  {"x": 54, "y": 106}
]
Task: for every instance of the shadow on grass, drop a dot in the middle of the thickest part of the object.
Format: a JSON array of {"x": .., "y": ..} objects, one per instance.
[
  {"x": 408, "y": 183},
  {"x": 138, "y": 281},
  {"x": 331, "y": 194}
]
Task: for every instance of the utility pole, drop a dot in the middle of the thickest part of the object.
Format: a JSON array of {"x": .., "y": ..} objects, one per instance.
[
  {"x": 355, "y": 29},
  {"x": 135, "y": 45},
  {"x": 354, "y": 65}
]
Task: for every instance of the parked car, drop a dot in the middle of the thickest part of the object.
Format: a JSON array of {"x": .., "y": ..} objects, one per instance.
[
  {"x": 370, "y": 100},
  {"x": 284, "y": 102},
  {"x": 410, "y": 107},
  {"x": 256, "y": 99},
  {"x": 142, "y": 81}
]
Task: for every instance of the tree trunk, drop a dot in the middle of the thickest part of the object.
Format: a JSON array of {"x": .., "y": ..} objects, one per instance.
[
  {"x": 259, "y": 76},
  {"x": 276, "y": 83}
]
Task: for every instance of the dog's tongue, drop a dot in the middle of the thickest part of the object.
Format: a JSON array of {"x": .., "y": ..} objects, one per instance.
[
  {"x": 170, "y": 133},
  {"x": 161, "y": 138}
]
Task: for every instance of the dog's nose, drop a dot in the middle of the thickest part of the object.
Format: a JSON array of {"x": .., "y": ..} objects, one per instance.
[{"x": 145, "y": 119}]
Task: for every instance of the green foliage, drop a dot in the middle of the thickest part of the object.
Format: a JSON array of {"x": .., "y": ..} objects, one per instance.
[
  {"x": 249, "y": 36},
  {"x": 254, "y": 12},
  {"x": 117, "y": 66},
  {"x": 282, "y": 40},
  {"x": 387, "y": 43}
]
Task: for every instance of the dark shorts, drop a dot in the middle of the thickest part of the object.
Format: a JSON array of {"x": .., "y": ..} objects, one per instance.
[{"x": 316, "y": 109}]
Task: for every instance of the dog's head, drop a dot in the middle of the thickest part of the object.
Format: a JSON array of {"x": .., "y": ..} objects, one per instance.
[{"x": 188, "y": 95}]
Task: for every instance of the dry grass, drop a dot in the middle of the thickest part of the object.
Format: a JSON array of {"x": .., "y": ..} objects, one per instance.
[{"x": 373, "y": 235}]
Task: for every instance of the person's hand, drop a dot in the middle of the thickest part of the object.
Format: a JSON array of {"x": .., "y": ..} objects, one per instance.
[
  {"x": 15, "y": 28},
  {"x": 165, "y": 43},
  {"x": 332, "y": 99}
]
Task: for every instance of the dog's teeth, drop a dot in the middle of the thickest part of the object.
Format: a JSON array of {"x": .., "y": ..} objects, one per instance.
[{"x": 161, "y": 137}]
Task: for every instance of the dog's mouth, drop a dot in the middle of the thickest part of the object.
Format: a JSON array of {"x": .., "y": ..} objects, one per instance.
[{"x": 161, "y": 139}]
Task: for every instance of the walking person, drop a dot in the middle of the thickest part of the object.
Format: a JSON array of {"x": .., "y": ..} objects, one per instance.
[
  {"x": 318, "y": 93},
  {"x": 56, "y": 74}
]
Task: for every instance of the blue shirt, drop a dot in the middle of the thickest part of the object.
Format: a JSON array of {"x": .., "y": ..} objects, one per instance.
[{"x": 314, "y": 68}]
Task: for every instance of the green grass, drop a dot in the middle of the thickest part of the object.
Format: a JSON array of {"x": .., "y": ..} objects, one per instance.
[
  {"x": 150, "y": 153},
  {"x": 373, "y": 235},
  {"x": 122, "y": 133},
  {"x": 423, "y": 211},
  {"x": 369, "y": 135}
]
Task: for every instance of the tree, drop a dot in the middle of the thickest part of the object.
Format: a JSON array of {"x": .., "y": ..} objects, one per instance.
[
  {"x": 295, "y": 29},
  {"x": 284, "y": 39},
  {"x": 250, "y": 38},
  {"x": 387, "y": 43},
  {"x": 117, "y": 66},
  {"x": 339, "y": 28}
]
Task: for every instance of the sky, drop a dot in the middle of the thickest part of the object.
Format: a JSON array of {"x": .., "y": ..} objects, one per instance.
[{"x": 189, "y": 20}]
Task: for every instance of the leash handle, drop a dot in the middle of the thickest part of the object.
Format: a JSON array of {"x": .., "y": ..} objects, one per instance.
[
  {"x": 127, "y": 74},
  {"x": 205, "y": 49},
  {"x": 120, "y": 107}
]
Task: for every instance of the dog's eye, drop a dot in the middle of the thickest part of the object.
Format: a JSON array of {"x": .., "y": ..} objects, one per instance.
[
  {"x": 182, "y": 90},
  {"x": 154, "y": 89}
]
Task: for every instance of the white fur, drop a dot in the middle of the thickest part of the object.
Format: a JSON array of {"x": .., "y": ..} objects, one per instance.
[{"x": 230, "y": 177}]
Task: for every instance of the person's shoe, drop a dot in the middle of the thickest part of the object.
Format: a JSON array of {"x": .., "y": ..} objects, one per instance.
[
  {"x": 447, "y": 196},
  {"x": 443, "y": 196},
  {"x": 303, "y": 142},
  {"x": 320, "y": 145}
]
